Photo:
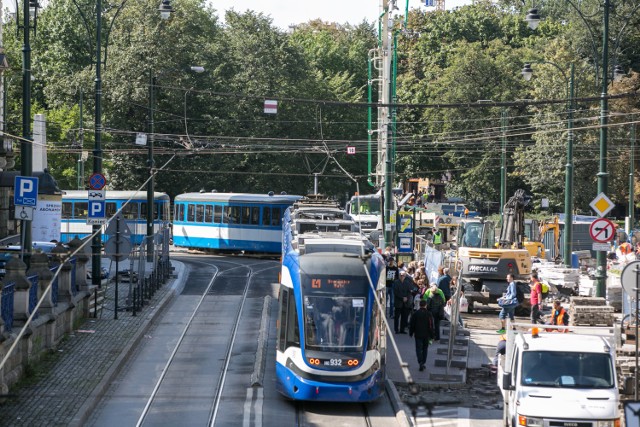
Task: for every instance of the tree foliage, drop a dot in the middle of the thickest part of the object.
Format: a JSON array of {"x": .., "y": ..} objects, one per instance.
[{"x": 211, "y": 132}]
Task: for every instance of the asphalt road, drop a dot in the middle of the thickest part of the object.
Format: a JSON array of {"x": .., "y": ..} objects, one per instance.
[{"x": 197, "y": 365}]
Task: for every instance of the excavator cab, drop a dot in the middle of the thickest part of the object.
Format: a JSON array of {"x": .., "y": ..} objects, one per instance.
[{"x": 476, "y": 234}]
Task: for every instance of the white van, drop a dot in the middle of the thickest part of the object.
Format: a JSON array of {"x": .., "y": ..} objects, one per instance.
[{"x": 560, "y": 379}]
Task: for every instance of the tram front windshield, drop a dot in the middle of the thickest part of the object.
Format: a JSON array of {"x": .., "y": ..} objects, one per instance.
[{"x": 334, "y": 313}]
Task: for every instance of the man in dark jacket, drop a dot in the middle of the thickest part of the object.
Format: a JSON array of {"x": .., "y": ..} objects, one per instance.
[
  {"x": 444, "y": 283},
  {"x": 422, "y": 327},
  {"x": 402, "y": 302}
]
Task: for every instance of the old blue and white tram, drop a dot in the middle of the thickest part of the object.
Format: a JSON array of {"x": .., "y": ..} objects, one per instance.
[
  {"x": 230, "y": 221},
  {"x": 331, "y": 340},
  {"x": 75, "y": 210}
]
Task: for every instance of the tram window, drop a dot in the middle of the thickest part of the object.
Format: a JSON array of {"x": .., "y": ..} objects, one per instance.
[
  {"x": 217, "y": 214},
  {"x": 67, "y": 210},
  {"x": 165, "y": 211},
  {"x": 158, "y": 211},
  {"x": 80, "y": 209},
  {"x": 293, "y": 335},
  {"x": 130, "y": 210},
  {"x": 246, "y": 215},
  {"x": 276, "y": 216},
  {"x": 179, "y": 215},
  {"x": 266, "y": 216},
  {"x": 233, "y": 213},
  {"x": 255, "y": 215},
  {"x": 282, "y": 328},
  {"x": 199, "y": 213},
  {"x": 111, "y": 209},
  {"x": 191, "y": 213},
  {"x": 143, "y": 210},
  {"x": 208, "y": 213}
]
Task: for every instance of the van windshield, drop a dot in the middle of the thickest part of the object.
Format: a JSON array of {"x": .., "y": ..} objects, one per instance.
[{"x": 567, "y": 369}]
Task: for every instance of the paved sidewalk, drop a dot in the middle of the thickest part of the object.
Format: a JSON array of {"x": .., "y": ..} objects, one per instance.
[{"x": 69, "y": 383}]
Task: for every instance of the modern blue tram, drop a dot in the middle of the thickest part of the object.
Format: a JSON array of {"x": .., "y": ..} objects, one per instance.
[
  {"x": 331, "y": 341},
  {"x": 230, "y": 221},
  {"x": 75, "y": 209}
]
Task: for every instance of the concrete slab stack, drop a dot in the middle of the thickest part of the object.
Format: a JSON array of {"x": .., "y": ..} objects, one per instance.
[{"x": 590, "y": 311}]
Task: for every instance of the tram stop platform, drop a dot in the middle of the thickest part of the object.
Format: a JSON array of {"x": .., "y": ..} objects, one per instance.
[{"x": 471, "y": 349}]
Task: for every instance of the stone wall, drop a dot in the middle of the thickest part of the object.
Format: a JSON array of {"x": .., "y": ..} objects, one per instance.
[{"x": 52, "y": 322}]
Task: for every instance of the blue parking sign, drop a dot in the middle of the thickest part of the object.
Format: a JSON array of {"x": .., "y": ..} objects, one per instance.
[
  {"x": 25, "y": 191},
  {"x": 96, "y": 214}
]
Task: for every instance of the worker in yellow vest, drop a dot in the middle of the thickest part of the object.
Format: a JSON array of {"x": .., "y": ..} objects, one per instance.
[{"x": 437, "y": 238}]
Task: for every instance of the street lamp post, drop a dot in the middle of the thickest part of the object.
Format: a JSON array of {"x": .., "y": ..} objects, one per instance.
[
  {"x": 30, "y": 8},
  {"x": 601, "y": 270},
  {"x": 533, "y": 19},
  {"x": 527, "y": 73},
  {"x": 165, "y": 10},
  {"x": 150, "y": 160}
]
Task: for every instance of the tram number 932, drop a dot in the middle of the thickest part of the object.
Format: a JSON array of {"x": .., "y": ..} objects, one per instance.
[{"x": 334, "y": 362}]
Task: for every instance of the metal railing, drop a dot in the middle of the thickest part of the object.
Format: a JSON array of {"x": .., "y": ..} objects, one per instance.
[
  {"x": 54, "y": 288},
  {"x": 74, "y": 284},
  {"x": 6, "y": 305},
  {"x": 33, "y": 294}
]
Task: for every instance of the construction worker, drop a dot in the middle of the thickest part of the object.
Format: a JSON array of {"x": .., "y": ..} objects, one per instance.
[
  {"x": 466, "y": 212},
  {"x": 559, "y": 317},
  {"x": 437, "y": 238},
  {"x": 501, "y": 349}
]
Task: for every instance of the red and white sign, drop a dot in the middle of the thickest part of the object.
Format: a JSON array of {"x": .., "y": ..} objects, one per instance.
[
  {"x": 602, "y": 230},
  {"x": 270, "y": 106},
  {"x": 351, "y": 150}
]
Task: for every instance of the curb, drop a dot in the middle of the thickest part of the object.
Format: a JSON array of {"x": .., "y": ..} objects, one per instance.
[
  {"x": 88, "y": 407},
  {"x": 398, "y": 407}
]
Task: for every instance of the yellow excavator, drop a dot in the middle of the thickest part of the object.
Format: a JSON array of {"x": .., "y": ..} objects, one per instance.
[
  {"x": 485, "y": 264},
  {"x": 534, "y": 236}
]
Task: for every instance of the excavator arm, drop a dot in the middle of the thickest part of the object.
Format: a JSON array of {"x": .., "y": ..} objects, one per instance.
[{"x": 512, "y": 229}]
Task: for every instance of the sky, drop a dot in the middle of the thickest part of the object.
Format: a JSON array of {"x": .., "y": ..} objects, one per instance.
[{"x": 286, "y": 12}]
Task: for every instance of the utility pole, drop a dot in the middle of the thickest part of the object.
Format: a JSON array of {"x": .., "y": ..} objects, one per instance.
[
  {"x": 81, "y": 158},
  {"x": 632, "y": 173},
  {"x": 96, "y": 243},
  {"x": 503, "y": 161},
  {"x": 385, "y": 157},
  {"x": 601, "y": 269},
  {"x": 26, "y": 149}
]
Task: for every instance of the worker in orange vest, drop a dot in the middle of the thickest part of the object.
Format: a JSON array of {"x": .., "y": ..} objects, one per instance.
[{"x": 559, "y": 317}]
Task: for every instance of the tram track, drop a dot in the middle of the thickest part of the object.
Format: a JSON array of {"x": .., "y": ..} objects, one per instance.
[
  {"x": 317, "y": 414},
  {"x": 222, "y": 270}
]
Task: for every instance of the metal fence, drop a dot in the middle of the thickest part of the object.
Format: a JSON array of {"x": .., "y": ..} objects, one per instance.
[
  {"x": 6, "y": 305},
  {"x": 33, "y": 294}
]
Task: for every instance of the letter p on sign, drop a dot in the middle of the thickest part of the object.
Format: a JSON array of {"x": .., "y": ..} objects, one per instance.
[{"x": 96, "y": 209}]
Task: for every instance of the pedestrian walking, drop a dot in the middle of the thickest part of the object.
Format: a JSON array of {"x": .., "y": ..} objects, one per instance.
[
  {"x": 508, "y": 302},
  {"x": 444, "y": 284},
  {"x": 392, "y": 276},
  {"x": 422, "y": 327},
  {"x": 435, "y": 306},
  {"x": 403, "y": 302},
  {"x": 535, "y": 298}
]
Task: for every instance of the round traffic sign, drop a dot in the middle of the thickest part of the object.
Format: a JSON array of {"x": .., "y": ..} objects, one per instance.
[
  {"x": 117, "y": 249},
  {"x": 97, "y": 181},
  {"x": 602, "y": 230},
  {"x": 629, "y": 277}
]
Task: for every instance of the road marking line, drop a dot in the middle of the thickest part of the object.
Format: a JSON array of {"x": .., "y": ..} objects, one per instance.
[{"x": 246, "y": 413}]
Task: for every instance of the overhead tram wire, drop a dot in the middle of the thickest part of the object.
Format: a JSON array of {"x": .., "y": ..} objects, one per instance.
[{"x": 279, "y": 143}]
